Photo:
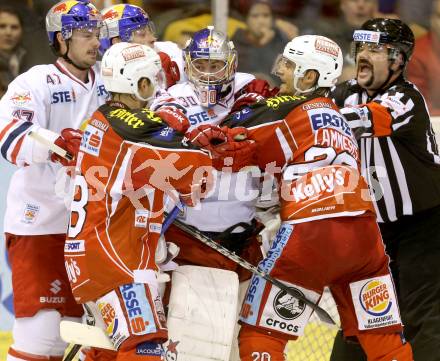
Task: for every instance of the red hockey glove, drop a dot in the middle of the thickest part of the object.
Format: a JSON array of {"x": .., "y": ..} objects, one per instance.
[
  {"x": 246, "y": 100},
  {"x": 174, "y": 117},
  {"x": 69, "y": 140},
  {"x": 207, "y": 137},
  {"x": 237, "y": 152},
  {"x": 260, "y": 87},
  {"x": 228, "y": 146},
  {"x": 170, "y": 69},
  {"x": 256, "y": 90}
]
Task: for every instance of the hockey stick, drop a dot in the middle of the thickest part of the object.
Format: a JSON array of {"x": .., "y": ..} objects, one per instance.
[
  {"x": 84, "y": 335},
  {"x": 52, "y": 146},
  {"x": 322, "y": 314},
  {"x": 90, "y": 320}
]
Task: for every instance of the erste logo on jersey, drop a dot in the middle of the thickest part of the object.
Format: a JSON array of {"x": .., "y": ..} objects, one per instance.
[
  {"x": 328, "y": 118},
  {"x": 375, "y": 302},
  {"x": 202, "y": 117},
  {"x": 92, "y": 140},
  {"x": 65, "y": 96},
  {"x": 138, "y": 309}
]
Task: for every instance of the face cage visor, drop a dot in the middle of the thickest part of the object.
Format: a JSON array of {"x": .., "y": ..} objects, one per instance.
[
  {"x": 281, "y": 62},
  {"x": 214, "y": 69},
  {"x": 375, "y": 48},
  {"x": 139, "y": 29}
]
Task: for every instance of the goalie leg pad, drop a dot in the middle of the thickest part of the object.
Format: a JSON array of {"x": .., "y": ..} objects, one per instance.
[{"x": 202, "y": 314}]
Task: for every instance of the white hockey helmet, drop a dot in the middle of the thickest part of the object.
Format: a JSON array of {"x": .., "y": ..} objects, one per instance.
[
  {"x": 124, "y": 64},
  {"x": 314, "y": 52}
]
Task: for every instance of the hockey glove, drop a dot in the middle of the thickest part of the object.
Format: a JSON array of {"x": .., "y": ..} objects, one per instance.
[
  {"x": 69, "y": 140},
  {"x": 207, "y": 137},
  {"x": 174, "y": 117},
  {"x": 260, "y": 87},
  {"x": 257, "y": 90},
  {"x": 237, "y": 152},
  {"x": 228, "y": 146},
  {"x": 170, "y": 68}
]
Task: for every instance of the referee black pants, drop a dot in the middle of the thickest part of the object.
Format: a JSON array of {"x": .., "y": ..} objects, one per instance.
[{"x": 413, "y": 244}]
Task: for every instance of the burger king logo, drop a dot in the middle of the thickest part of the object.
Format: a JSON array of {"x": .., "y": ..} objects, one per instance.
[
  {"x": 109, "y": 316},
  {"x": 374, "y": 298}
]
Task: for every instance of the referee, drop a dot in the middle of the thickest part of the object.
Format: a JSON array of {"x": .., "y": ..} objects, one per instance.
[{"x": 401, "y": 163}]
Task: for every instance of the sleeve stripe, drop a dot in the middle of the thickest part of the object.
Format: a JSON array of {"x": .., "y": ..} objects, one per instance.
[
  {"x": 9, "y": 126},
  {"x": 17, "y": 149},
  {"x": 6, "y": 144}
]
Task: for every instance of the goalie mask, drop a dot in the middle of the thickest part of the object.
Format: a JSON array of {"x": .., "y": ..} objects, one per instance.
[
  {"x": 124, "y": 64},
  {"x": 123, "y": 21},
  {"x": 312, "y": 52},
  {"x": 210, "y": 64},
  {"x": 66, "y": 16}
]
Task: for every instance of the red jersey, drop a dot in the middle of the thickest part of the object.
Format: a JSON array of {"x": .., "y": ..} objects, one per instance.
[
  {"x": 129, "y": 162},
  {"x": 307, "y": 143}
]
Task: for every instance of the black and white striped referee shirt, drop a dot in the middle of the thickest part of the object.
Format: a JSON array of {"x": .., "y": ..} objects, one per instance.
[{"x": 399, "y": 153}]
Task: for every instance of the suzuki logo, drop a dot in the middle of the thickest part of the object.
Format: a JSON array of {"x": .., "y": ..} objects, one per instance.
[{"x": 55, "y": 287}]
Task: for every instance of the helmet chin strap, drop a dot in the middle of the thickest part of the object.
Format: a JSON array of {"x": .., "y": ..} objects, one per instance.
[{"x": 70, "y": 61}]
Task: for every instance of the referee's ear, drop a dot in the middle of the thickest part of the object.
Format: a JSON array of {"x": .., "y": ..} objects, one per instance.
[{"x": 398, "y": 63}]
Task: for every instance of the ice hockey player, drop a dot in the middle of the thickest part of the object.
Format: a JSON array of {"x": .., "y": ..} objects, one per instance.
[
  {"x": 329, "y": 235},
  {"x": 125, "y": 169},
  {"x": 49, "y": 100},
  {"x": 227, "y": 214},
  {"x": 130, "y": 23},
  {"x": 208, "y": 96}
]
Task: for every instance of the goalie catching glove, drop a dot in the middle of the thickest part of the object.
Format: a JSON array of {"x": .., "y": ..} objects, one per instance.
[{"x": 228, "y": 146}]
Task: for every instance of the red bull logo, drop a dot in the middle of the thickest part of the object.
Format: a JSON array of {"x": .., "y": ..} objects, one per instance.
[
  {"x": 21, "y": 98},
  {"x": 375, "y": 298},
  {"x": 109, "y": 316},
  {"x": 61, "y": 8},
  {"x": 64, "y": 7},
  {"x": 115, "y": 12}
]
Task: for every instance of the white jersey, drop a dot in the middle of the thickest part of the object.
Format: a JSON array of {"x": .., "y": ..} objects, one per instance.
[
  {"x": 175, "y": 53},
  {"x": 50, "y": 97},
  {"x": 225, "y": 206}
]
